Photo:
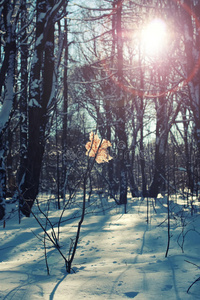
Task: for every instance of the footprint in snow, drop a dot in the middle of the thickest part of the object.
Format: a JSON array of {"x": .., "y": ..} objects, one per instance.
[{"x": 167, "y": 287}]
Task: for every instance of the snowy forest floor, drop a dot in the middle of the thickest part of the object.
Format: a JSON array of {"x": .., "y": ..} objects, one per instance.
[{"x": 119, "y": 256}]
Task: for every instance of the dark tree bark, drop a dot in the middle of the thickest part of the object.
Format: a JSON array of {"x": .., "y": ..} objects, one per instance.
[
  {"x": 110, "y": 89},
  {"x": 65, "y": 114},
  {"x": 41, "y": 82},
  {"x": 7, "y": 73},
  {"x": 24, "y": 95},
  {"x": 190, "y": 176},
  {"x": 140, "y": 114},
  {"x": 121, "y": 130},
  {"x": 11, "y": 181},
  {"x": 162, "y": 130},
  {"x": 192, "y": 52},
  {"x": 2, "y": 178}
]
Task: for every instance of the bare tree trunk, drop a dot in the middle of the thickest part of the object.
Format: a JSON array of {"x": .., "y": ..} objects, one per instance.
[
  {"x": 2, "y": 179},
  {"x": 11, "y": 182},
  {"x": 8, "y": 75},
  {"x": 24, "y": 94},
  {"x": 140, "y": 112},
  {"x": 162, "y": 129},
  {"x": 57, "y": 159},
  {"x": 190, "y": 179},
  {"x": 65, "y": 115},
  {"x": 192, "y": 51},
  {"x": 41, "y": 82},
  {"x": 108, "y": 107},
  {"x": 121, "y": 131}
]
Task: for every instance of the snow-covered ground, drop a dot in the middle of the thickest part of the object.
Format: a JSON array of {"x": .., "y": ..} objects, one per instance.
[{"x": 119, "y": 256}]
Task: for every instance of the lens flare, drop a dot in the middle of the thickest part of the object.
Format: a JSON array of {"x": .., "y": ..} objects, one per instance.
[
  {"x": 154, "y": 40},
  {"x": 154, "y": 37}
]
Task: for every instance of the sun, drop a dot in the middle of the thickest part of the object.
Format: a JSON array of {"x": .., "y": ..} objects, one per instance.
[{"x": 154, "y": 37}]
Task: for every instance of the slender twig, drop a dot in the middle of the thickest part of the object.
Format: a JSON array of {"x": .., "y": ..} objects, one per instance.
[
  {"x": 168, "y": 209},
  {"x": 44, "y": 229},
  {"x": 192, "y": 263},
  {"x": 198, "y": 279},
  {"x": 45, "y": 248},
  {"x": 79, "y": 228},
  {"x": 49, "y": 222}
]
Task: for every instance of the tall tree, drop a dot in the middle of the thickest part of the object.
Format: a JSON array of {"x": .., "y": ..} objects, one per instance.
[
  {"x": 65, "y": 110},
  {"x": 7, "y": 80},
  {"x": 190, "y": 16},
  {"x": 41, "y": 95},
  {"x": 120, "y": 111},
  {"x": 23, "y": 103}
]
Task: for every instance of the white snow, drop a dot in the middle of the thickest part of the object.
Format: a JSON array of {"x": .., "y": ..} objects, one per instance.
[
  {"x": 5, "y": 112},
  {"x": 119, "y": 256},
  {"x": 6, "y": 107},
  {"x": 182, "y": 169},
  {"x": 39, "y": 39},
  {"x": 41, "y": 17}
]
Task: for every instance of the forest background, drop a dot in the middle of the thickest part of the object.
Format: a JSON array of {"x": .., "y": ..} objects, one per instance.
[{"x": 72, "y": 67}]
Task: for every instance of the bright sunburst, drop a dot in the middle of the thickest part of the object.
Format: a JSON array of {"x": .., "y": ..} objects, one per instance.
[{"x": 154, "y": 37}]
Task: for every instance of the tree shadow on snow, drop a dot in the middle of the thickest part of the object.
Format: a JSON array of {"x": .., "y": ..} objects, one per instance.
[{"x": 51, "y": 296}]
